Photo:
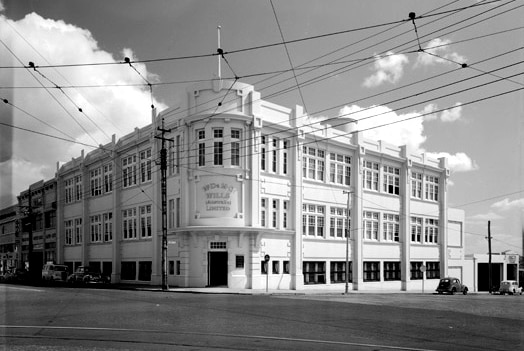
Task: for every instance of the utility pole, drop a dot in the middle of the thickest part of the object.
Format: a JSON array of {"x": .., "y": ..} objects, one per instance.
[
  {"x": 489, "y": 253},
  {"x": 163, "y": 172},
  {"x": 347, "y": 241}
]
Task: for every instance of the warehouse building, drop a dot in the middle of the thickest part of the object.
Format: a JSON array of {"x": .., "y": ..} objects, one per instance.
[{"x": 248, "y": 179}]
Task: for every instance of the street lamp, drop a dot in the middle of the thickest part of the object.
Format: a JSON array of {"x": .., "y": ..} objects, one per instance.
[{"x": 347, "y": 240}]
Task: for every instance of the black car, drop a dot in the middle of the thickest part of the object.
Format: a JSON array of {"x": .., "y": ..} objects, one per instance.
[
  {"x": 86, "y": 274},
  {"x": 451, "y": 285}
]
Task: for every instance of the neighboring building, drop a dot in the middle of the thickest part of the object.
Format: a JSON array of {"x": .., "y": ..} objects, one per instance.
[
  {"x": 8, "y": 238},
  {"x": 248, "y": 178},
  {"x": 37, "y": 208},
  {"x": 504, "y": 266}
]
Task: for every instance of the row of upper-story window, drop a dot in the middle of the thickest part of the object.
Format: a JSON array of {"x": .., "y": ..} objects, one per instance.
[
  {"x": 136, "y": 223},
  {"x": 134, "y": 171},
  {"x": 375, "y": 176},
  {"x": 424, "y": 230}
]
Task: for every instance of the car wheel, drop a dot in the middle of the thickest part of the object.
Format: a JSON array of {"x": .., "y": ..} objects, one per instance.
[
  {"x": 465, "y": 291},
  {"x": 453, "y": 291}
]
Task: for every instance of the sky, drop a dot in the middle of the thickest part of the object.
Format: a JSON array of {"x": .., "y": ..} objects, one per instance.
[{"x": 451, "y": 77}]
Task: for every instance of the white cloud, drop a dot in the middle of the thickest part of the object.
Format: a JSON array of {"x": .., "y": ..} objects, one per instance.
[
  {"x": 437, "y": 51},
  {"x": 106, "y": 110},
  {"x": 508, "y": 205},
  {"x": 453, "y": 114},
  {"x": 408, "y": 133},
  {"x": 459, "y": 162},
  {"x": 388, "y": 69},
  {"x": 484, "y": 217},
  {"x": 378, "y": 123}
]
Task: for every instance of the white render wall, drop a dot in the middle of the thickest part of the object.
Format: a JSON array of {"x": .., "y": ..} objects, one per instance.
[{"x": 223, "y": 203}]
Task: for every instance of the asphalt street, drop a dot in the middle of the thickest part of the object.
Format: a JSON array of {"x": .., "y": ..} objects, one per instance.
[{"x": 62, "y": 318}]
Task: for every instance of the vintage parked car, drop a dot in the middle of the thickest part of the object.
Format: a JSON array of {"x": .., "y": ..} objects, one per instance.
[
  {"x": 16, "y": 275},
  {"x": 510, "y": 287},
  {"x": 451, "y": 285},
  {"x": 86, "y": 274},
  {"x": 54, "y": 272}
]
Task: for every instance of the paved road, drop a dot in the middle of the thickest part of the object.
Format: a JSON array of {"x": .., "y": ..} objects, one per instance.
[{"x": 58, "y": 318}]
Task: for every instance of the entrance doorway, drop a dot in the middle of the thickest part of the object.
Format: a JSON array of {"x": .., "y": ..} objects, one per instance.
[{"x": 217, "y": 268}]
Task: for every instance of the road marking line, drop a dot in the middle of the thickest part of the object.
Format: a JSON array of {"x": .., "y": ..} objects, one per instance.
[
  {"x": 315, "y": 341},
  {"x": 27, "y": 289}
]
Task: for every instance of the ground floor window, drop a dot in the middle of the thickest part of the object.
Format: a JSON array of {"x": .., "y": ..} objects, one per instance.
[
  {"x": 416, "y": 273},
  {"x": 371, "y": 271},
  {"x": 171, "y": 267},
  {"x": 263, "y": 267},
  {"x": 239, "y": 261},
  {"x": 432, "y": 270},
  {"x": 144, "y": 270},
  {"x": 391, "y": 270},
  {"x": 286, "y": 269},
  {"x": 314, "y": 272},
  {"x": 128, "y": 271},
  {"x": 276, "y": 267},
  {"x": 338, "y": 272}
]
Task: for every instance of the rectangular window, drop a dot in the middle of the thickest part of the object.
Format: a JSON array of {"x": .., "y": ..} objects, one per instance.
[
  {"x": 371, "y": 271},
  {"x": 274, "y": 153},
  {"x": 286, "y": 267},
  {"x": 239, "y": 261},
  {"x": 145, "y": 166},
  {"x": 218, "y": 146},
  {"x": 416, "y": 229},
  {"x": 171, "y": 267},
  {"x": 431, "y": 230},
  {"x": 416, "y": 185},
  {"x": 263, "y": 153},
  {"x": 338, "y": 272},
  {"x": 78, "y": 187},
  {"x": 96, "y": 182},
  {"x": 178, "y": 267},
  {"x": 415, "y": 272},
  {"x": 339, "y": 169},
  {"x": 313, "y": 219},
  {"x": 313, "y": 166},
  {"x": 314, "y": 272},
  {"x": 201, "y": 135},
  {"x": 96, "y": 228},
  {"x": 68, "y": 188},
  {"x": 391, "y": 227},
  {"x": 79, "y": 237},
  {"x": 235, "y": 147},
  {"x": 145, "y": 221},
  {"x": 263, "y": 267},
  {"x": 276, "y": 267},
  {"x": 370, "y": 225},
  {"x": 177, "y": 213},
  {"x": 129, "y": 171},
  {"x": 171, "y": 214},
  {"x": 391, "y": 180},
  {"x": 108, "y": 226},
  {"x": 432, "y": 184},
  {"x": 285, "y": 214},
  {"x": 432, "y": 270},
  {"x": 175, "y": 156},
  {"x": 370, "y": 175},
  {"x": 69, "y": 238},
  {"x": 391, "y": 271},
  {"x": 128, "y": 270},
  {"x": 284, "y": 156},
  {"x": 274, "y": 214},
  {"x": 263, "y": 212},
  {"x": 129, "y": 224},
  {"x": 108, "y": 178},
  {"x": 338, "y": 222},
  {"x": 144, "y": 271}
]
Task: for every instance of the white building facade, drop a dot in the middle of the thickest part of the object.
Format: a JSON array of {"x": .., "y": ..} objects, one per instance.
[{"x": 248, "y": 178}]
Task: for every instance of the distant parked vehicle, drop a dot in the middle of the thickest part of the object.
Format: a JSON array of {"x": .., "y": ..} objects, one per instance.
[
  {"x": 54, "y": 272},
  {"x": 85, "y": 275},
  {"x": 451, "y": 285},
  {"x": 16, "y": 275},
  {"x": 510, "y": 287}
]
